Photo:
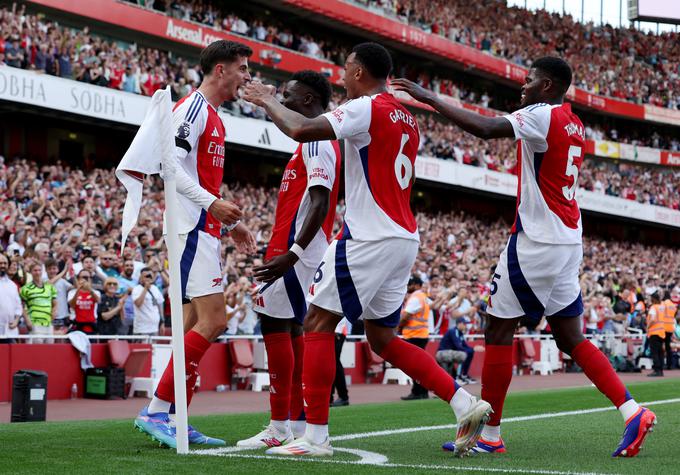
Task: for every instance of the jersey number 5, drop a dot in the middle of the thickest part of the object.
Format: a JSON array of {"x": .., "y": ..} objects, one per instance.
[
  {"x": 572, "y": 171},
  {"x": 403, "y": 168}
]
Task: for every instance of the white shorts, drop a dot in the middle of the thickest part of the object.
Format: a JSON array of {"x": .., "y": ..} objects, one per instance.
[
  {"x": 364, "y": 279},
  {"x": 200, "y": 265},
  {"x": 286, "y": 297},
  {"x": 536, "y": 279}
]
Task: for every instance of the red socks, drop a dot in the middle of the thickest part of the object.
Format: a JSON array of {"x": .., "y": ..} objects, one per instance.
[
  {"x": 596, "y": 366},
  {"x": 195, "y": 347},
  {"x": 280, "y": 359},
  {"x": 297, "y": 410},
  {"x": 420, "y": 366},
  {"x": 496, "y": 377},
  {"x": 318, "y": 373}
]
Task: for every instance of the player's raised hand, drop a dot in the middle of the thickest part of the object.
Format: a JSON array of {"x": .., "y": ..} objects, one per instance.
[
  {"x": 227, "y": 212},
  {"x": 244, "y": 240},
  {"x": 414, "y": 90},
  {"x": 256, "y": 92},
  {"x": 275, "y": 268}
]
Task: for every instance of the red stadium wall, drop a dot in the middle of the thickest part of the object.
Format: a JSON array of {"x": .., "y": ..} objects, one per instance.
[{"x": 62, "y": 364}]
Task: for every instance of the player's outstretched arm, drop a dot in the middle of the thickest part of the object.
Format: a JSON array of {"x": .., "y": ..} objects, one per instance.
[
  {"x": 476, "y": 124},
  {"x": 319, "y": 197},
  {"x": 294, "y": 125}
]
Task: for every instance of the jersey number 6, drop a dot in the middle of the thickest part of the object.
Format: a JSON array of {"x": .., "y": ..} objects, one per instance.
[
  {"x": 403, "y": 168},
  {"x": 572, "y": 171}
]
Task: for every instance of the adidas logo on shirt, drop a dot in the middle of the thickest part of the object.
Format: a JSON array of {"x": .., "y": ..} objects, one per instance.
[{"x": 215, "y": 133}]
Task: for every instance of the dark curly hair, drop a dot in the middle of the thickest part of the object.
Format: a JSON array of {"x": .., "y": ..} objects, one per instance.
[
  {"x": 316, "y": 82},
  {"x": 375, "y": 58},
  {"x": 557, "y": 69}
]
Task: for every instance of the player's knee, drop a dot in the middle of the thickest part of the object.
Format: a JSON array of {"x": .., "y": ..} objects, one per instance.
[
  {"x": 379, "y": 337},
  {"x": 498, "y": 335},
  {"x": 295, "y": 329},
  {"x": 567, "y": 344},
  {"x": 319, "y": 320},
  {"x": 314, "y": 321},
  {"x": 274, "y": 325}
]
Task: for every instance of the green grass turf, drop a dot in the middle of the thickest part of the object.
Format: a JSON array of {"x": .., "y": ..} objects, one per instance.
[{"x": 580, "y": 443}]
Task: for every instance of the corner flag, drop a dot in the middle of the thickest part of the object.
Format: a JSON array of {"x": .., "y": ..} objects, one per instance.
[{"x": 153, "y": 151}]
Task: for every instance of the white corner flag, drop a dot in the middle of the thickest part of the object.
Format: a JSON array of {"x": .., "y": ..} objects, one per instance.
[{"x": 153, "y": 150}]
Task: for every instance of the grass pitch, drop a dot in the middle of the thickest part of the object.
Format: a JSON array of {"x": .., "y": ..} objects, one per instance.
[{"x": 577, "y": 443}]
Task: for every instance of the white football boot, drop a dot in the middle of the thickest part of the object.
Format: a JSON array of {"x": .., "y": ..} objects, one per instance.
[
  {"x": 470, "y": 426},
  {"x": 303, "y": 446},
  {"x": 269, "y": 437}
]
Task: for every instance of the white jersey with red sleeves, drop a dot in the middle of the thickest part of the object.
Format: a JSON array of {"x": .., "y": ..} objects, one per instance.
[
  {"x": 381, "y": 144},
  {"x": 199, "y": 140},
  {"x": 312, "y": 164},
  {"x": 549, "y": 156}
]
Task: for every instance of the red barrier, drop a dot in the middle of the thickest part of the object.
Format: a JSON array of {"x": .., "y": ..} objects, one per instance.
[
  {"x": 61, "y": 362},
  {"x": 215, "y": 367},
  {"x": 5, "y": 374}
]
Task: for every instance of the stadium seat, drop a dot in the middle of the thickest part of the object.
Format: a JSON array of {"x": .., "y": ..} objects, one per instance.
[
  {"x": 374, "y": 363},
  {"x": 541, "y": 367},
  {"x": 395, "y": 374},
  {"x": 258, "y": 381},
  {"x": 133, "y": 361},
  {"x": 241, "y": 354}
]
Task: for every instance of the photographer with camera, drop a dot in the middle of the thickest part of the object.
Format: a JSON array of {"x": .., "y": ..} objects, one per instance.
[{"x": 148, "y": 302}]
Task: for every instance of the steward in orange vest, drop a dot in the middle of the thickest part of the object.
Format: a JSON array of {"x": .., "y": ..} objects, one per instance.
[
  {"x": 415, "y": 327},
  {"x": 656, "y": 334},
  {"x": 669, "y": 327}
]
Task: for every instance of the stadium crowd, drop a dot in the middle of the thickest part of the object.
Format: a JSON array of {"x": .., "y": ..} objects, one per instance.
[
  {"x": 62, "y": 226},
  {"x": 42, "y": 45},
  {"x": 624, "y": 63},
  {"x": 37, "y": 43}
]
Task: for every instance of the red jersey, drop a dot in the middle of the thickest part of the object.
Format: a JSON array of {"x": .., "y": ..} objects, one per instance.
[
  {"x": 199, "y": 141},
  {"x": 312, "y": 164},
  {"x": 551, "y": 144},
  {"x": 381, "y": 144}
]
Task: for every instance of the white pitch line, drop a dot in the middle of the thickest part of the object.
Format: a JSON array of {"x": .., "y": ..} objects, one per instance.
[
  {"x": 462, "y": 468},
  {"x": 548, "y": 415},
  {"x": 365, "y": 457},
  {"x": 379, "y": 460}
]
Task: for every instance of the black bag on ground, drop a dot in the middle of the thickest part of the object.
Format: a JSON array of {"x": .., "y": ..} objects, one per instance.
[
  {"x": 29, "y": 396},
  {"x": 104, "y": 383}
]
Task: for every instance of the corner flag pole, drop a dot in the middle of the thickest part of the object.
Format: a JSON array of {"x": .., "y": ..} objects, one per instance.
[{"x": 174, "y": 292}]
